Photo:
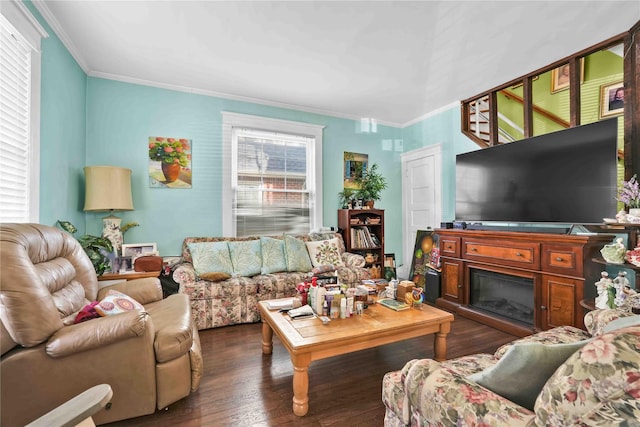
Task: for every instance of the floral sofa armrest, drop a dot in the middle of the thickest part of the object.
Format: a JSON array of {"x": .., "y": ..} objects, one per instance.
[
  {"x": 185, "y": 275},
  {"x": 596, "y": 320},
  {"x": 353, "y": 260},
  {"x": 447, "y": 397}
]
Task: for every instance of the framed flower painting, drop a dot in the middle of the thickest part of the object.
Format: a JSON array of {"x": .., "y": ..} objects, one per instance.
[{"x": 169, "y": 162}]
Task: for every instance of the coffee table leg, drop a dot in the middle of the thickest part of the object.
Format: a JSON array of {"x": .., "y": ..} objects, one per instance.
[
  {"x": 301, "y": 364},
  {"x": 440, "y": 342},
  {"x": 267, "y": 338}
]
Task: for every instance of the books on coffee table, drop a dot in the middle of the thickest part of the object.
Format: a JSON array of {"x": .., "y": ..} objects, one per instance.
[{"x": 393, "y": 304}]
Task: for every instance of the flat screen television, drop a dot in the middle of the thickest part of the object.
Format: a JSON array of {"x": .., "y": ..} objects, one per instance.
[{"x": 567, "y": 177}]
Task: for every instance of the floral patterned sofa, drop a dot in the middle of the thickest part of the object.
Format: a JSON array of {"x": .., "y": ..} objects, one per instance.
[
  {"x": 597, "y": 385},
  {"x": 258, "y": 272}
]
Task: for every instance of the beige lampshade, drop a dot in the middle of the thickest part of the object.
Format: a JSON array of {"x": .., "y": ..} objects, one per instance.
[{"x": 108, "y": 188}]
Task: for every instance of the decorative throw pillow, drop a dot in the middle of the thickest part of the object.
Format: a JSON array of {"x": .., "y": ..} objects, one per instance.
[
  {"x": 116, "y": 302},
  {"x": 215, "y": 276},
  {"x": 211, "y": 257},
  {"x": 297, "y": 255},
  {"x": 246, "y": 257},
  {"x": 621, "y": 322},
  {"x": 324, "y": 252},
  {"x": 273, "y": 257},
  {"x": 329, "y": 268},
  {"x": 524, "y": 369}
]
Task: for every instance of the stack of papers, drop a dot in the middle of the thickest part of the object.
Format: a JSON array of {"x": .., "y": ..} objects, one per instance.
[
  {"x": 303, "y": 312},
  {"x": 279, "y": 304}
]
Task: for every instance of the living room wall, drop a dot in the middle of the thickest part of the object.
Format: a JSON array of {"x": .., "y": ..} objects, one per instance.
[{"x": 121, "y": 116}]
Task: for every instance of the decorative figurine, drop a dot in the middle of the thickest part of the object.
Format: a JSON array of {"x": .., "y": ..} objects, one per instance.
[
  {"x": 603, "y": 285},
  {"x": 614, "y": 252}
]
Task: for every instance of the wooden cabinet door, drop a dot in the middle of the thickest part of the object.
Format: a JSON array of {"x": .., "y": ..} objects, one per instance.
[
  {"x": 559, "y": 302},
  {"x": 452, "y": 280}
]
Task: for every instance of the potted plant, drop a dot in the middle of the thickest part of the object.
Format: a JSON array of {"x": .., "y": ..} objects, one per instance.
[
  {"x": 97, "y": 248},
  {"x": 371, "y": 183},
  {"x": 345, "y": 197}
]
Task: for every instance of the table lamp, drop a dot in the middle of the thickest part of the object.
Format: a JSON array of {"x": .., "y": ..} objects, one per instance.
[{"x": 108, "y": 189}]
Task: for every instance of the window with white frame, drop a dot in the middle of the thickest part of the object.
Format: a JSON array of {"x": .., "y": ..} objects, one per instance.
[
  {"x": 20, "y": 36},
  {"x": 273, "y": 177}
]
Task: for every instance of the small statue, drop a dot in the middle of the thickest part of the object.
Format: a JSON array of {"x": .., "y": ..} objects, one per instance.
[
  {"x": 622, "y": 287},
  {"x": 614, "y": 252},
  {"x": 603, "y": 285}
]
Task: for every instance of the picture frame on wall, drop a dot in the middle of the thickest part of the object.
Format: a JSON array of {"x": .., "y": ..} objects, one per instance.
[
  {"x": 560, "y": 77},
  {"x": 611, "y": 99},
  {"x": 355, "y": 165}
]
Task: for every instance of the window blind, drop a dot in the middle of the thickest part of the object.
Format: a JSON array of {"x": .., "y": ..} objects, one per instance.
[
  {"x": 271, "y": 191},
  {"x": 15, "y": 138}
]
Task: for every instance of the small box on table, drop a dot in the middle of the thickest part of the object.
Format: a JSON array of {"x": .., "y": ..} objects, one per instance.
[{"x": 405, "y": 287}]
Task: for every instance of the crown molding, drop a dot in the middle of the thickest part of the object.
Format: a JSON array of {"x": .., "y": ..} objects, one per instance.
[{"x": 48, "y": 16}]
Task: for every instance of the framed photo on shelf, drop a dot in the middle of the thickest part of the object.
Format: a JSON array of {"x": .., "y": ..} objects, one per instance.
[
  {"x": 136, "y": 250},
  {"x": 611, "y": 99},
  {"x": 122, "y": 264}
]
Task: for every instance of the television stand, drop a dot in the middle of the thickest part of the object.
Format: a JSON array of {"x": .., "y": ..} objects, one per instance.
[
  {"x": 520, "y": 228},
  {"x": 559, "y": 268}
]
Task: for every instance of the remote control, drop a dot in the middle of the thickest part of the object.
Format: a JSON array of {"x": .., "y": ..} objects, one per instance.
[{"x": 324, "y": 319}]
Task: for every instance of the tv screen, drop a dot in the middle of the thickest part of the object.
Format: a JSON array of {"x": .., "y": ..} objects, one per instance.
[{"x": 567, "y": 176}]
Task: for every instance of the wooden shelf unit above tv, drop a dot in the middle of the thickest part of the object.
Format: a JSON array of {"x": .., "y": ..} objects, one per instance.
[{"x": 560, "y": 266}]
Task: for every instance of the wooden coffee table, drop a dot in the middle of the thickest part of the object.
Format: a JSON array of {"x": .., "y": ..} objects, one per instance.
[{"x": 308, "y": 340}]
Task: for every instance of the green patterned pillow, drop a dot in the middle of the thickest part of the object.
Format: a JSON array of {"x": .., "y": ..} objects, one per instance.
[
  {"x": 297, "y": 255},
  {"x": 211, "y": 257},
  {"x": 524, "y": 369},
  {"x": 324, "y": 252},
  {"x": 246, "y": 257},
  {"x": 273, "y": 258}
]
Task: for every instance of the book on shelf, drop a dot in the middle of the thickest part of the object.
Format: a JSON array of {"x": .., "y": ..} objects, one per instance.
[
  {"x": 394, "y": 304},
  {"x": 361, "y": 237}
]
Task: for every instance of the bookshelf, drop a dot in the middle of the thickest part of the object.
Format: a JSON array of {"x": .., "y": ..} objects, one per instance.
[{"x": 363, "y": 233}]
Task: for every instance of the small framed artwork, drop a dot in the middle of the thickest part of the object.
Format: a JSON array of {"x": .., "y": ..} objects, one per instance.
[
  {"x": 136, "y": 250},
  {"x": 426, "y": 255},
  {"x": 355, "y": 165},
  {"x": 611, "y": 99},
  {"x": 560, "y": 77}
]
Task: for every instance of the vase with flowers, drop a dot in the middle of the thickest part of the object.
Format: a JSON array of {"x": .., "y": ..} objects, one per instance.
[
  {"x": 173, "y": 154},
  {"x": 629, "y": 194}
]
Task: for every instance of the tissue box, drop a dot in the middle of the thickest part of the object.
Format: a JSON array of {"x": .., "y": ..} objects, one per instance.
[{"x": 405, "y": 287}]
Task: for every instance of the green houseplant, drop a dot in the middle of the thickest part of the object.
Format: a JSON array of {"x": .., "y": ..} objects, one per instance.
[
  {"x": 97, "y": 248},
  {"x": 346, "y": 196},
  {"x": 371, "y": 183}
]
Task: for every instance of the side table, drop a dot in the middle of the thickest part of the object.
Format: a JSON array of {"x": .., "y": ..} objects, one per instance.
[{"x": 111, "y": 278}]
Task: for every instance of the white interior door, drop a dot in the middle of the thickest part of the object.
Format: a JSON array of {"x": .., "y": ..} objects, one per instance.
[{"x": 421, "y": 197}]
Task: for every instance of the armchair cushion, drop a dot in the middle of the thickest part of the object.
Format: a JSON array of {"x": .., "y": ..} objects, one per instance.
[
  {"x": 622, "y": 322},
  {"x": 211, "y": 257},
  {"x": 115, "y": 303},
  {"x": 524, "y": 369},
  {"x": 97, "y": 333},
  {"x": 246, "y": 257}
]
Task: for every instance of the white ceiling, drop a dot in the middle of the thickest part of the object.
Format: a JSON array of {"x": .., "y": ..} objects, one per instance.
[{"x": 394, "y": 61}]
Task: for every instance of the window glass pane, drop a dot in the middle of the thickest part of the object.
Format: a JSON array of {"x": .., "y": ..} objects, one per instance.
[
  {"x": 272, "y": 196},
  {"x": 510, "y": 114},
  {"x": 551, "y": 101}
]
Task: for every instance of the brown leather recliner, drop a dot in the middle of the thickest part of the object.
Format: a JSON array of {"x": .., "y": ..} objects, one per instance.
[{"x": 150, "y": 358}]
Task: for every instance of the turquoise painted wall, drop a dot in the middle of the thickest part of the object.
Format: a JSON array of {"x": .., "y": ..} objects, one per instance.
[
  {"x": 442, "y": 128},
  {"x": 62, "y": 132},
  {"x": 121, "y": 117}
]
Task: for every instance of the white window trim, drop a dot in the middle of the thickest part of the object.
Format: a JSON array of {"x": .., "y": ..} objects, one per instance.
[
  {"x": 31, "y": 30},
  {"x": 231, "y": 120}
]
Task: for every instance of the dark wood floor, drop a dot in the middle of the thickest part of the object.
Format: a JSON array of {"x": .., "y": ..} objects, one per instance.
[{"x": 243, "y": 387}]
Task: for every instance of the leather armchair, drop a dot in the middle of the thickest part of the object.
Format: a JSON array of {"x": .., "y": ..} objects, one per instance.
[{"x": 151, "y": 357}]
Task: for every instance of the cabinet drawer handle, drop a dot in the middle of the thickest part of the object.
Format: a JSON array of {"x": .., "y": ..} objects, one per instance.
[
  {"x": 459, "y": 286},
  {"x": 543, "y": 307},
  {"x": 558, "y": 259},
  {"x": 518, "y": 254},
  {"x": 474, "y": 249}
]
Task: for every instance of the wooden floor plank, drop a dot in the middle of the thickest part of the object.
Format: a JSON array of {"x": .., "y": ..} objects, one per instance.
[{"x": 243, "y": 387}]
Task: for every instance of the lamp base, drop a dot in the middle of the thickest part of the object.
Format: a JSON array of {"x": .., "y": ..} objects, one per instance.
[{"x": 111, "y": 230}]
